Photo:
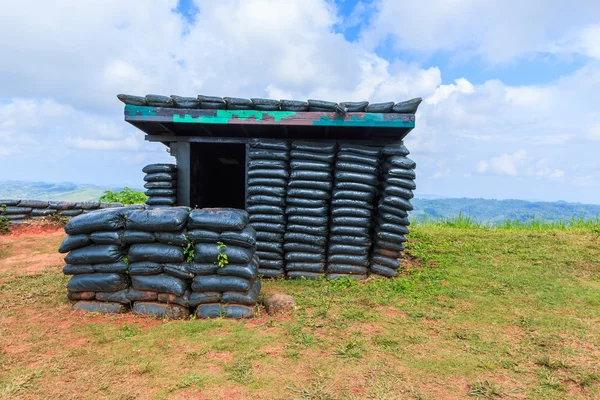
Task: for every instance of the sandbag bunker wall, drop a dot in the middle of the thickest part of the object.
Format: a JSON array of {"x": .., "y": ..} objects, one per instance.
[
  {"x": 167, "y": 262},
  {"x": 161, "y": 185},
  {"x": 18, "y": 211}
]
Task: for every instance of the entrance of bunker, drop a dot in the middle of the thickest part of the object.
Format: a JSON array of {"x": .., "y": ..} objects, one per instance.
[{"x": 218, "y": 175}]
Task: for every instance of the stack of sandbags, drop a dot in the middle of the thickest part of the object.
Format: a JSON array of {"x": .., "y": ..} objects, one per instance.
[
  {"x": 268, "y": 173},
  {"x": 307, "y": 208},
  {"x": 160, "y": 276},
  {"x": 97, "y": 260},
  {"x": 392, "y": 220},
  {"x": 225, "y": 266},
  {"x": 352, "y": 210},
  {"x": 161, "y": 182}
]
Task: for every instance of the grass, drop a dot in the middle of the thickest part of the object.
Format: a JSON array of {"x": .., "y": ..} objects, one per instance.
[{"x": 480, "y": 312}]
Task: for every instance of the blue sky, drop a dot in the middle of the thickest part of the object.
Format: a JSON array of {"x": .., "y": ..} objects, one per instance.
[{"x": 510, "y": 88}]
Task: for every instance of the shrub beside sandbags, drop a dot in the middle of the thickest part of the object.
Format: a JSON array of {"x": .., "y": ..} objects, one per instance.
[
  {"x": 354, "y": 193},
  {"x": 268, "y": 172},
  {"x": 392, "y": 214},
  {"x": 161, "y": 185}
]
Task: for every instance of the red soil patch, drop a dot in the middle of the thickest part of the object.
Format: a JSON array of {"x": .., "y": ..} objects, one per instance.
[{"x": 34, "y": 230}]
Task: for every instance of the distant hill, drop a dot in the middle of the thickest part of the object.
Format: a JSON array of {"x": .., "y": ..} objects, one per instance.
[
  {"x": 52, "y": 191},
  {"x": 496, "y": 211}
]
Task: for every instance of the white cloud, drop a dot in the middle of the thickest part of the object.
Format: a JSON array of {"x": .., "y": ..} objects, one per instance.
[{"x": 505, "y": 164}]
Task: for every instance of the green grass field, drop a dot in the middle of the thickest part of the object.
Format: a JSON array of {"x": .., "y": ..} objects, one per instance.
[{"x": 508, "y": 312}]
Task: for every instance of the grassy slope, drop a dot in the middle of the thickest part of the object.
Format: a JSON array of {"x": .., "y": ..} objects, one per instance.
[{"x": 512, "y": 312}]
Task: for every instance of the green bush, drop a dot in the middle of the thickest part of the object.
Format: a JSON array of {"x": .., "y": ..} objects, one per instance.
[{"x": 125, "y": 196}]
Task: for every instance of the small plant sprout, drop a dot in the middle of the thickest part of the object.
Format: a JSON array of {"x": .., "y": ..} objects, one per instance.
[
  {"x": 188, "y": 250},
  {"x": 222, "y": 259}
]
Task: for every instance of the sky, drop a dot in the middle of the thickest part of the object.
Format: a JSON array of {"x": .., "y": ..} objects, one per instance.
[{"x": 511, "y": 89}]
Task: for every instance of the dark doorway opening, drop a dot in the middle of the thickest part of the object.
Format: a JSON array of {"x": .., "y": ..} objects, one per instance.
[{"x": 218, "y": 175}]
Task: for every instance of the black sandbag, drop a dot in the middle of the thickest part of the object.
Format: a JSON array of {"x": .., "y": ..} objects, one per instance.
[
  {"x": 272, "y": 264},
  {"x": 237, "y": 103},
  {"x": 382, "y": 270},
  {"x": 268, "y": 173},
  {"x": 405, "y": 183},
  {"x": 311, "y": 230},
  {"x": 267, "y": 255},
  {"x": 266, "y": 154},
  {"x": 309, "y": 193},
  {"x": 358, "y": 231},
  {"x": 294, "y": 105},
  {"x": 268, "y": 227},
  {"x": 33, "y": 203},
  {"x": 207, "y": 253},
  {"x": 356, "y": 167},
  {"x": 307, "y": 175},
  {"x": 168, "y": 298},
  {"x": 161, "y": 201},
  {"x": 317, "y": 212},
  {"x": 398, "y": 191},
  {"x": 265, "y": 209},
  {"x": 111, "y": 282},
  {"x": 161, "y": 185},
  {"x": 248, "y": 298},
  {"x": 316, "y": 147},
  {"x": 95, "y": 254},
  {"x": 119, "y": 266},
  {"x": 140, "y": 295},
  {"x": 227, "y": 311},
  {"x": 267, "y": 164},
  {"x": 248, "y": 271},
  {"x": 346, "y": 269},
  {"x": 307, "y": 220},
  {"x": 160, "y": 310},
  {"x": 107, "y": 219},
  {"x": 408, "y": 106},
  {"x": 351, "y": 157},
  {"x": 304, "y": 275},
  {"x": 244, "y": 238},
  {"x": 364, "y": 150},
  {"x": 379, "y": 251},
  {"x": 353, "y": 195},
  {"x": 338, "y": 248},
  {"x": 350, "y": 212},
  {"x": 305, "y": 266},
  {"x": 346, "y": 176},
  {"x": 87, "y": 205},
  {"x": 393, "y": 246},
  {"x": 269, "y": 200},
  {"x": 155, "y": 252},
  {"x": 395, "y": 150},
  {"x": 202, "y": 268},
  {"x": 394, "y": 219},
  {"x": 70, "y": 213},
  {"x": 352, "y": 240},
  {"x": 316, "y": 240},
  {"x": 72, "y": 242},
  {"x": 399, "y": 202},
  {"x": 302, "y": 247},
  {"x": 310, "y": 165},
  {"x": 43, "y": 212},
  {"x": 351, "y": 259},
  {"x": 271, "y": 182},
  {"x": 364, "y": 222},
  {"x": 114, "y": 297},
  {"x": 390, "y": 237},
  {"x": 263, "y": 236},
  {"x": 305, "y": 203},
  {"x": 386, "y": 209},
  {"x": 61, "y": 205},
  {"x": 178, "y": 270},
  {"x": 17, "y": 218},
  {"x": 145, "y": 268},
  {"x": 100, "y": 307},
  {"x": 304, "y": 257},
  {"x": 152, "y": 168},
  {"x": 269, "y": 144},
  {"x": 159, "y": 220},
  {"x": 273, "y": 219},
  {"x": 265, "y": 191},
  {"x": 394, "y": 228},
  {"x": 218, "y": 219},
  {"x": 217, "y": 283},
  {"x": 162, "y": 283},
  {"x": 161, "y": 192},
  {"x": 355, "y": 186},
  {"x": 197, "y": 298},
  {"x": 74, "y": 296},
  {"x": 380, "y": 107},
  {"x": 202, "y": 236},
  {"x": 401, "y": 162},
  {"x": 172, "y": 238},
  {"x": 15, "y": 210},
  {"x": 271, "y": 273},
  {"x": 314, "y": 185},
  {"x": 272, "y": 247},
  {"x": 344, "y": 203},
  {"x": 399, "y": 173},
  {"x": 386, "y": 261},
  {"x": 312, "y": 156},
  {"x": 321, "y": 106},
  {"x": 106, "y": 237},
  {"x": 160, "y": 177},
  {"x": 354, "y": 106},
  {"x": 72, "y": 269},
  {"x": 11, "y": 202}
]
